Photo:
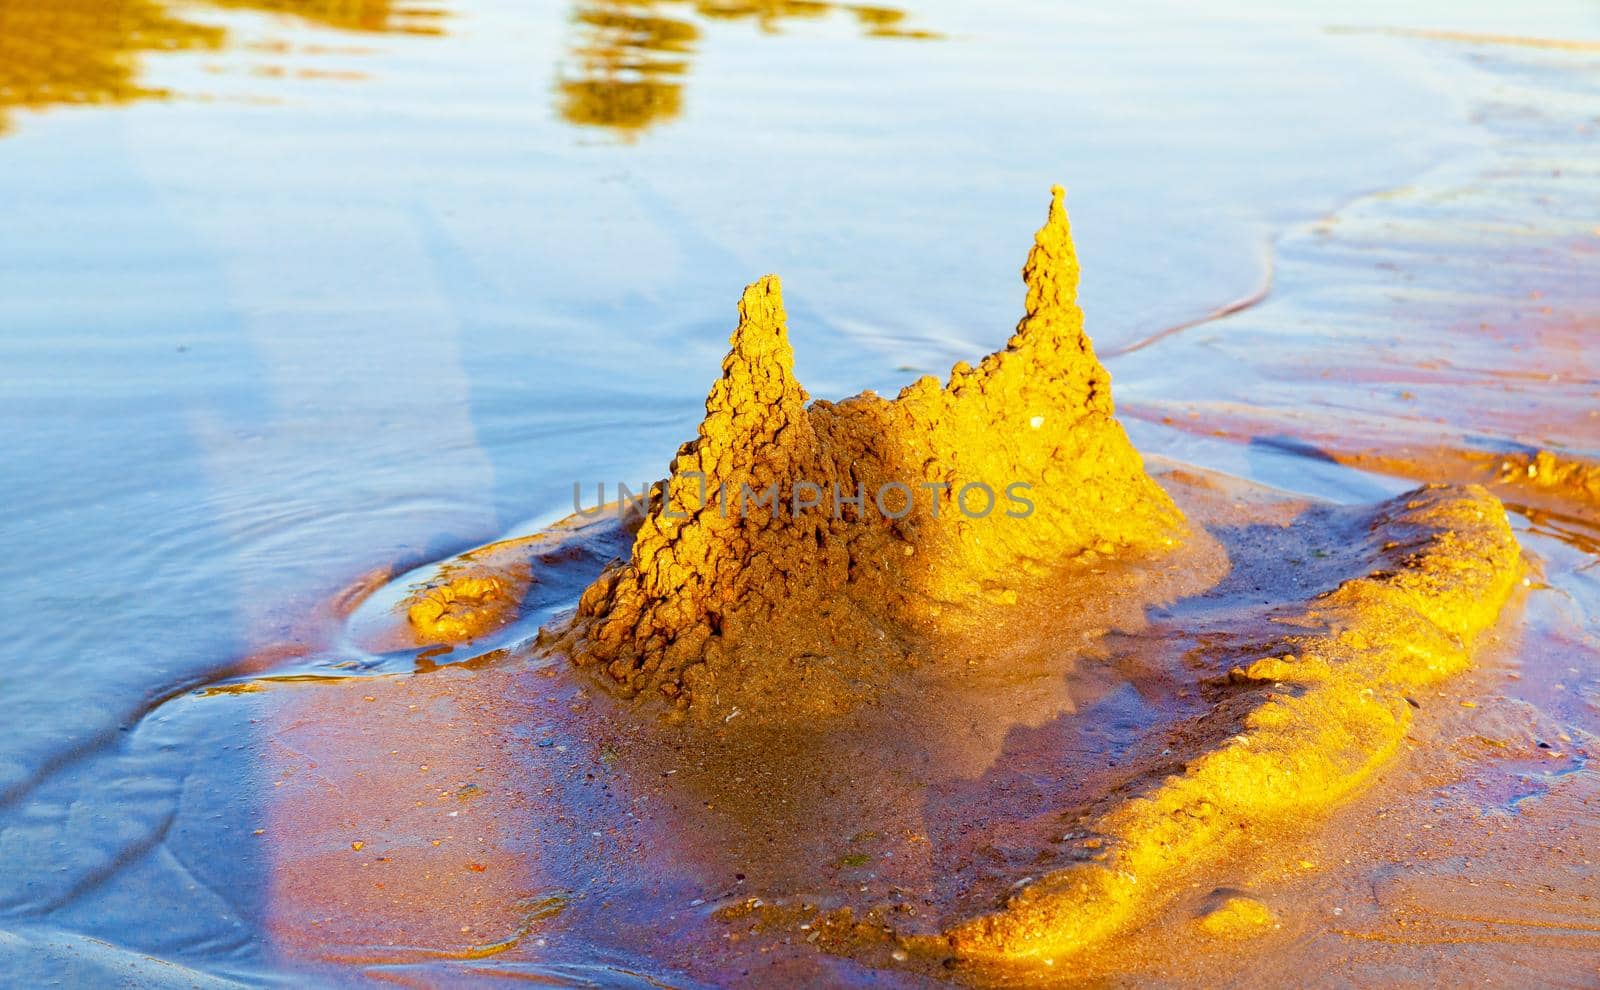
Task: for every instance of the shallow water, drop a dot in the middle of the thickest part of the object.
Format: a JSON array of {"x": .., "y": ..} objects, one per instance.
[{"x": 309, "y": 291}]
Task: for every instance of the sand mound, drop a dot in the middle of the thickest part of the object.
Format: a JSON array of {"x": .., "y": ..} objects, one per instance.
[
  {"x": 1300, "y": 729},
  {"x": 838, "y": 531}
]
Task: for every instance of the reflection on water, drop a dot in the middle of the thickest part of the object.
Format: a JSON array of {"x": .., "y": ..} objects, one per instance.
[
  {"x": 631, "y": 56},
  {"x": 387, "y": 16},
  {"x": 631, "y": 65},
  {"x": 55, "y": 52},
  {"x": 66, "y": 52}
]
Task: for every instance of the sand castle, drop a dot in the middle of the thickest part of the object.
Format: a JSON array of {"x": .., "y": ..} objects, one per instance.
[
  {"x": 878, "y": 513},
  {"x": 1318, "y": 711}
]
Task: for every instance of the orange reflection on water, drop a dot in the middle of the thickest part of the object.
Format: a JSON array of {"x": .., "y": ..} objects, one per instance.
[
  {"x": 631, "y": 57},
  {"x": 631, "y": 63},
  {"x": 384, "y": 16},
  {"x": 76, "y": 52},
  {"x": 62, "y": 52}
]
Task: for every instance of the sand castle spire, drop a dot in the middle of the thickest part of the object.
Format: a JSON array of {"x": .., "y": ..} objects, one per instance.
[
  {"x": 1050, "y": 350},
  {"x": 757, "y": 396},
  {"x": 763, "y": 326},
  {"x": 1051, "y": 275},
  {"x": 648, "y": 618},
  {"x": 755, "y": 427}
]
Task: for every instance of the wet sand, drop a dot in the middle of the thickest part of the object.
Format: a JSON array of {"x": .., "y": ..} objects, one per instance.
[{"x": 508, "y": 815}]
